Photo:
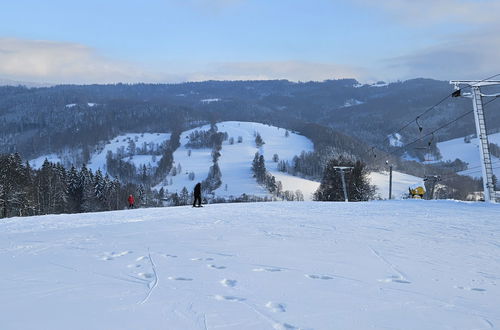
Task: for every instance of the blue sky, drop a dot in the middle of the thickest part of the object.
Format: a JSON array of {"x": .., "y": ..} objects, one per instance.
[{"x": 99, "y": 41}]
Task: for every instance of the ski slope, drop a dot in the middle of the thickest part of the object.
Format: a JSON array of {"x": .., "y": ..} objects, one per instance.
[
  {"x": 410, "y": 264},
  {"x": 469, "y": 153},
  {"x": 236, "y": 159},
  {"x": 400, "y": 184}
]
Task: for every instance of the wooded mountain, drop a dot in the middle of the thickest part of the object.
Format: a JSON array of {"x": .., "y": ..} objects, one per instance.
[{"x": 37, "y": 121}]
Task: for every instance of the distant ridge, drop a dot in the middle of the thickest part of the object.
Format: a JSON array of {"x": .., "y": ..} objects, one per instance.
[{"x": 9, "y": 82}]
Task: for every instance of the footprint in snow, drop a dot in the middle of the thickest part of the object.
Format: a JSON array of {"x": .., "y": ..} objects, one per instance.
[
  {"x": 134, "y": 266},
  {"x": 319, "y": 277},
  {"x": 470, "y": 289},
  {"x": 179, "y": 278},
  {"x": 228, "y": 298},
  {"x": 216, "y": 267},
  {"x": 276, "y": 307},
  {"x": 284, "y": 326},
  {"x": 145, "y": 275},
  {"x": 202, "y": 259},
  {"x": 395, "y": 279},
  {"x": 141, "y": 258},
  {"x": 112, "y": 255},
  {"x": 228, "y": 283},
  {"x": 267, "y": 269},
  {"x": 168, "y": 255}
]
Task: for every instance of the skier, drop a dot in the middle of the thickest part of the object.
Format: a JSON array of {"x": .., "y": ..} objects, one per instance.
[
  {"x": 197, "y": 195},
  {"x": 131, "y": 202}
]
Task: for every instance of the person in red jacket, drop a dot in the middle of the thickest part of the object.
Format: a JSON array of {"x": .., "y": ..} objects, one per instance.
[{"x": 131, "y": 202}]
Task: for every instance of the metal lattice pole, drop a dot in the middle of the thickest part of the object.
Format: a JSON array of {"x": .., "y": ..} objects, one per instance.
[{"x": 484, "y": 149}]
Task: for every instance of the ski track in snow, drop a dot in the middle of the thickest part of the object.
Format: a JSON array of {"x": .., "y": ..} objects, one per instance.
[{"x": 155, "y": 281}]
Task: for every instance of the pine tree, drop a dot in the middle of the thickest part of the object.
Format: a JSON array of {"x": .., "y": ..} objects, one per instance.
[
  {"x": 357, "y": 182},
  {"x": 258, "y": 140},
  {"x": 184, "y": 196},
  {"x": 60, "y": 192},
  {"x": 89, "y": 199},
  {"x": 75, "y": 191},
  {"x": 100, "y": 191}
]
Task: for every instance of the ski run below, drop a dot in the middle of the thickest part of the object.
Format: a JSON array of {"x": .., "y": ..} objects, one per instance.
[{"x": 408, "y": 264}]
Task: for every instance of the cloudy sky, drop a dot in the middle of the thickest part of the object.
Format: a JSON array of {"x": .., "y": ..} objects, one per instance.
[{"x": 105, "y": 41}]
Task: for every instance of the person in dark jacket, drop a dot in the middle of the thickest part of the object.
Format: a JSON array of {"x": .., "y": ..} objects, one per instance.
[
  {"x": 197, "y": 195},
  {"x": 131, "y": 202}
]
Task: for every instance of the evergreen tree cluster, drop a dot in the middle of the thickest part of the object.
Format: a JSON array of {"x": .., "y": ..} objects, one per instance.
[
  {"x": 206, "y": 139},
  {"x": 269, "y": 181},
  {"x": 307, "y": 164},
  {"x": 146, "y": 174},
  {"x": 52, "y": 189},
  {"x": 356, "y": 179}
]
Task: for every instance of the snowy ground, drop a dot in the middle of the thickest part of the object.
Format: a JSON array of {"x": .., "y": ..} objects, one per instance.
[
  {"x": 469, "y": 153},
  {"x": 400, "y": 183},
  {"x": 379, "y": 265}
]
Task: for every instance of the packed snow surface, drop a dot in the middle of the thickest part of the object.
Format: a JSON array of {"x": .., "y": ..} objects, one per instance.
[{"x": 375, "y": 265}]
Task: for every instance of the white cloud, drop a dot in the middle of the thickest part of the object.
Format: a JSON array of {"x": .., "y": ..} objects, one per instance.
[
  {"x": 62, "y": 62},
  {"x": 464, "y": 56}
]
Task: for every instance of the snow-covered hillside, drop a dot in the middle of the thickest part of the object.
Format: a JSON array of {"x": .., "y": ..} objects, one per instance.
[
  {"x": 400, "y": 184},
  {"x": 469, "y": 153},
  {"x": 122, "y": 142},
  {"x": 118, "y": 145},
  {"x": 378, "y": 265},
  {"x": 236, "y": 159}
]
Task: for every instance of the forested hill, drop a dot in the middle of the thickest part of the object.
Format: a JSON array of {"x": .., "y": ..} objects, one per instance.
[{"x": 35, "y": 121}]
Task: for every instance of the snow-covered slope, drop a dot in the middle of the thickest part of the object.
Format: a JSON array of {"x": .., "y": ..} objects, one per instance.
[
  {"x": 469, "y": 153},
  {"x": 376, "y": 265},
  {"x": 98, "y": 157},
  {"x": 98, "y": 160},
  {"x": 400, "y": 184},
  {"x": 236, "y": 159}
]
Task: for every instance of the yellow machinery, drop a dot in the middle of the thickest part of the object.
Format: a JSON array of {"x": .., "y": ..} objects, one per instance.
[{"x": 416, "y": 191}]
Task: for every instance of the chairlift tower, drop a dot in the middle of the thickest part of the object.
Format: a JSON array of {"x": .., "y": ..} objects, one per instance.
[
  {"x": 344, "y": 186},
  {"x": 484, "y": 148}
]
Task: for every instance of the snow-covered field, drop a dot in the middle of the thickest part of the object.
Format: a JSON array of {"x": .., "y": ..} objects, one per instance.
[
  {"x": 236, "y": 159},
  {"x": 378, "y": 265},
  {"x": 469, "y": 153},
  {"x": 98, "y": 160}
]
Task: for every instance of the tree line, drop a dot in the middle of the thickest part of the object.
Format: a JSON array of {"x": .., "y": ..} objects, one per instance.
[{"x": 25, "y": 191}]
